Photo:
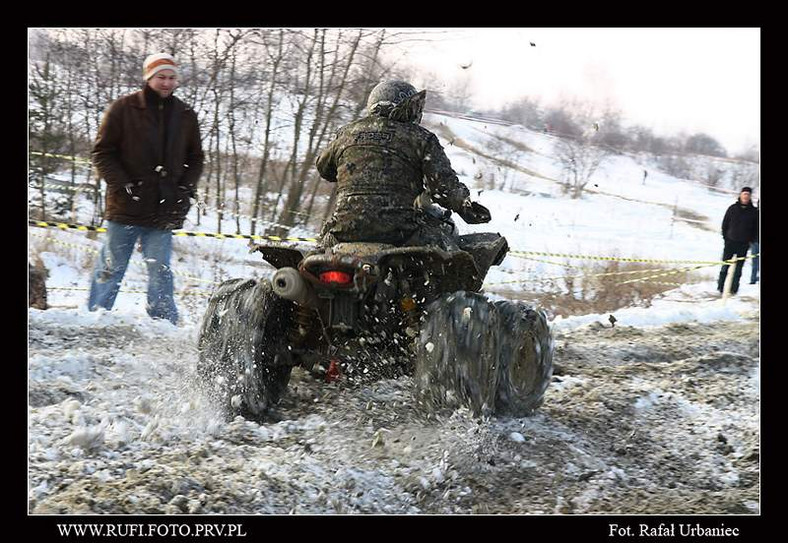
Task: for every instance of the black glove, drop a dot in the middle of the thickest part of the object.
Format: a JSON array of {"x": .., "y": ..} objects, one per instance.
[{"x": 474, "y": 213}]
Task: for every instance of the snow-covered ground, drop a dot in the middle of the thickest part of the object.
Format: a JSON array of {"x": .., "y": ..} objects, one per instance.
[
  {"x": 638, "y": 419},
  {"x": 115, "y": 424},
  {"x": 697, "y": 303}
]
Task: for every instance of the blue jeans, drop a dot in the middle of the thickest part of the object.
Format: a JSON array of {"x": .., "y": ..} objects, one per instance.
[
  {"x": 754, "y": 248},
  {"x": 114, "y": 259}
]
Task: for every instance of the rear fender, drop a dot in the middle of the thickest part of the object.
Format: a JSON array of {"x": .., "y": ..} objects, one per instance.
[
  {"x": 487, "y": 249},
  {"x": 452, "y": 271},
  {"x": 279, "y": 257}
]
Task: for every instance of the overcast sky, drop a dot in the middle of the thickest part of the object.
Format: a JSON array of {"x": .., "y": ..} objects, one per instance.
[{"x": 671, "y": 79}]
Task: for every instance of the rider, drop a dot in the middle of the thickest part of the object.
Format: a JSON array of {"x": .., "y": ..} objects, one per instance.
[{"x": 386, "y": 166}]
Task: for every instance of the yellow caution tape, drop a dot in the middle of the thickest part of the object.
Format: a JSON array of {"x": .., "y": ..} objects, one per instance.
[
  {"x": 243, "y": 236},
  {"x": 67, "y": 157},
  {"x": 133, "y": 291},
  {"x": 64, "y": 188},
  {"x": 64, "y": 226},
  {"x": 134, "y": 261},
  {"x": 662, "y": 273},
  {"x": 83, "y": 228},
  {"x": 594, "y": 273},
  {"x": 204, "y": 206},
  {"x": 562, "y": 264},
  {"x": 522, "y": 254},
  {"x": 580, "y": 276},
  {"x": 201, "y": 205},
  {"x": 66, "y": 244},
  {"x": 665, "y": 274},
  {"x": 525, "y": 254},
  {"x": 680, "y": 270}
]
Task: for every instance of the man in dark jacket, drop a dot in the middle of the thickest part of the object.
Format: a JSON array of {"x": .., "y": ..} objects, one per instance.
[
  {"x": 149, "y": 153},
  {"x": 381, "y": 164},
  {"x": 739, "y": 228},
  {"x": 755, "y": 249}
]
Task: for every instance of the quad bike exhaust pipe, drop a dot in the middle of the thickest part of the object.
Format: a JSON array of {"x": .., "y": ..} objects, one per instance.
[{"x": 287, "y": 283}]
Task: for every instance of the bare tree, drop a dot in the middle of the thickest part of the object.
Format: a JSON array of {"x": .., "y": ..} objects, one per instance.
[
  {"x": 215, "y": 154},
  {"x": 275, "y": 56},
  {"x": 750, "y": 153},
  {"x": 46, "y": 134},
  {"x": 579, "y": 157},
  {"x": 714, "y": 175},
  {"x": 703, "y": 144},
  {"x": 323, "y": 121},
  {"x": 233, "y": 139},
  {"x": 293, "y": 204},
  {"x": 745, "y": 174},
  {"x": 611, "y": 131},
  {"x": 304, "y": 93},
  {"x": 372, "y": 73},
  {"x": 219, "y": 86},
  {"x": 562, "y": 122},
  {"x": 525, "y": 111},
  {"x": 326, "y": 73},
  {"x": 93, "y": 105}
]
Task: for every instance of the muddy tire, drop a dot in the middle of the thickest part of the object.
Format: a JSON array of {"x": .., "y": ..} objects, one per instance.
[
  {"x": 244, "y": 363},
  {"x": 493, "y": 358}
]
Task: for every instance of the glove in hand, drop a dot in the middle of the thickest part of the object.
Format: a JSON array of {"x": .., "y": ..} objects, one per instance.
[{"x": 474, "y": 213}]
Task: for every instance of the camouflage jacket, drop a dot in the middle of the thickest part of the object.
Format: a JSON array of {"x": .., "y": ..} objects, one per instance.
[{"x": 381, "y": 166}]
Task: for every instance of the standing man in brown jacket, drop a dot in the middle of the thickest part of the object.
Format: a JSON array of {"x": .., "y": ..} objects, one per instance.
[{"x": 149, "y": 152}]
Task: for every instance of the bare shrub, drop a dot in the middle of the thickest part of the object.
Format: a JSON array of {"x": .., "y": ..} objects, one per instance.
[
  {"x": 37, "y": 288},
  {"x": 579, "y": 157}
]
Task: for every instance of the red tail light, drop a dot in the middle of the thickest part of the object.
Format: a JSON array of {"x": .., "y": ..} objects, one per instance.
[
  {"x": 338, "y": 277},
  {"x": 333, "y": 373}
]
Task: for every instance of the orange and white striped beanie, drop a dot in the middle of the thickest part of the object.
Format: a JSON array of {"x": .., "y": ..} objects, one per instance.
[{"x": 156, "y": 63}]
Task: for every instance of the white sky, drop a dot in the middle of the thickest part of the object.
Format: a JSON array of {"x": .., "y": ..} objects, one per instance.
[{"x": 671, "y": 79}]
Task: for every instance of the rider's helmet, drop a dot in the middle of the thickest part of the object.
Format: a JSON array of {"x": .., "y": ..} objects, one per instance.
[{"x": 398, "y": 100}]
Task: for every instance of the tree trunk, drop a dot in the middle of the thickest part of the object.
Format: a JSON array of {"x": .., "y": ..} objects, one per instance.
[
  {"x": 369, "y": 79},
  {"x": 297, "y": 181},
  {"x": 294, "y": 191},
  {"x": 218, "y": 158},
  {"x": 231, "y": 115},
  {"x": 262, "y": 182},
  {"x": 294, "y": 199},
  {"x": 72, "y": 146}
]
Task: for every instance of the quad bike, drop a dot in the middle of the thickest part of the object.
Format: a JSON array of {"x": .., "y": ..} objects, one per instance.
[{"x": 368, "y": 310}]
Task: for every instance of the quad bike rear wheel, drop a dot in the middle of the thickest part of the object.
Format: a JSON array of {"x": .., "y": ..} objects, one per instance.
[
  {"x": 244, "y": 362},
  {"x": 491, "y": 357}
]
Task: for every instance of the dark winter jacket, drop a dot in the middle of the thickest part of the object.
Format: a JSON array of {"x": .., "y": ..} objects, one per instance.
[
  {"x": 149, "y": 152},
  {"x": 380, "y": 166},
  {"x": 740, "y": 223}
]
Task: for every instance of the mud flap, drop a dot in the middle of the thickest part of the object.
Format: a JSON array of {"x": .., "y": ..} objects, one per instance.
[
  {"x": 493, "y": 358},
  {"x": 243, "y": 361}
]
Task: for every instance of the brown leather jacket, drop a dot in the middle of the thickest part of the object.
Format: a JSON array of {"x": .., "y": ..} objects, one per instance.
[{"x": 151, "y": 159}]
